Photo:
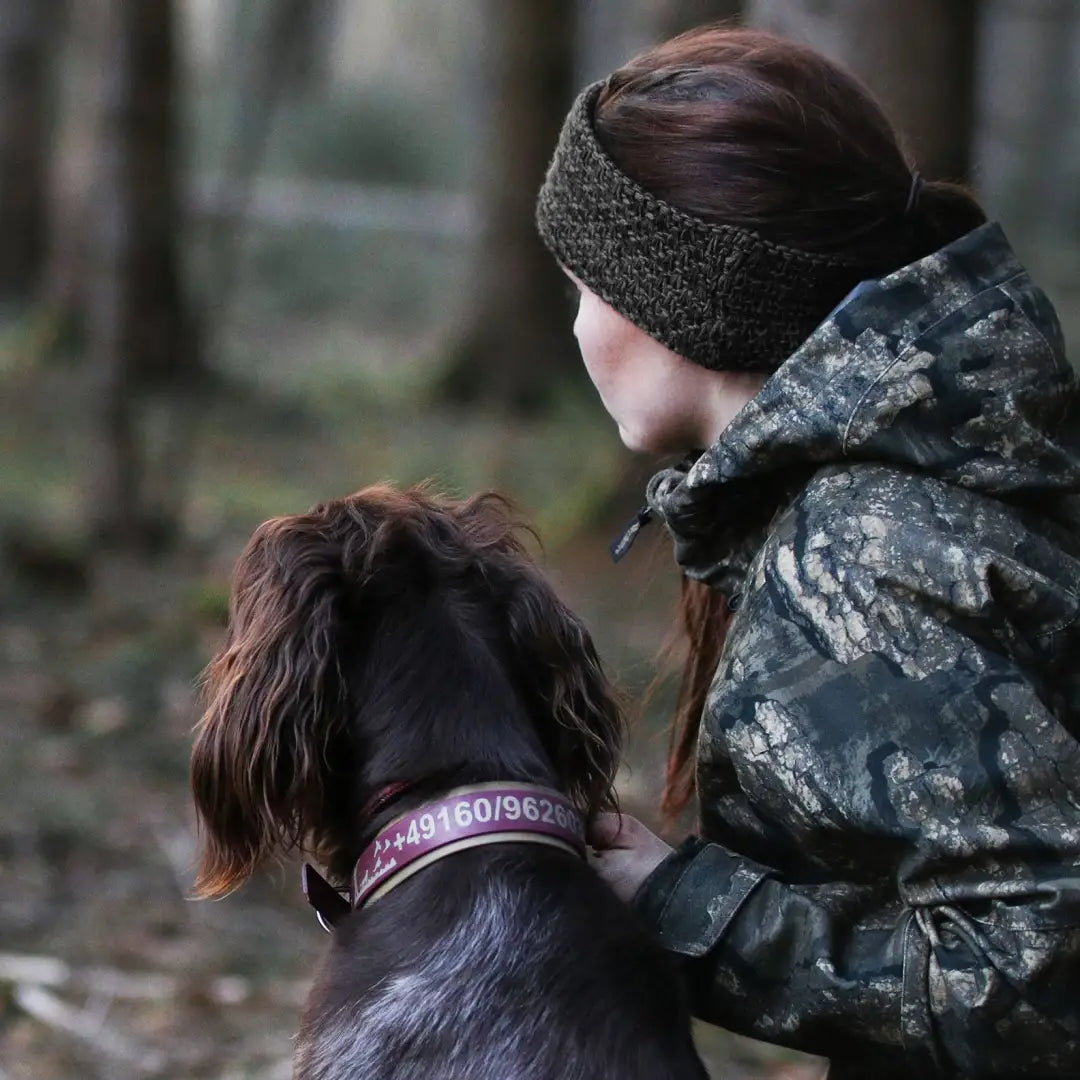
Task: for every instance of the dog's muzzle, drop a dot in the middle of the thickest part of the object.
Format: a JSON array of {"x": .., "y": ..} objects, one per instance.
[{"x": 462, "y": 819}]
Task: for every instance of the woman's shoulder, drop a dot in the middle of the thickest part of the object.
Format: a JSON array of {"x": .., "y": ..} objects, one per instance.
[
  {"x": 895, "y": 544},
  {"x": 851, "y": 507},
  {"x": 843, "y": 492}
]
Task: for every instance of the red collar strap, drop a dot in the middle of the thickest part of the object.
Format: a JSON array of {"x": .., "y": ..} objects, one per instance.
[
  {"x": 464, "y": 818},
  {"x": 383, "y": 798}
]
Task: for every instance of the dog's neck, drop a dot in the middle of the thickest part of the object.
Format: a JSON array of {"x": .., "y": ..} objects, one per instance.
[
  {"x": 462, "y": 820},
  {"x": 403, "y": 793},
  {"x": 435, "y": 705}
]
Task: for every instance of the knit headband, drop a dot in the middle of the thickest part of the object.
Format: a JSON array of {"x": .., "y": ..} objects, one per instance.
[{"x": 719, "y": 295}]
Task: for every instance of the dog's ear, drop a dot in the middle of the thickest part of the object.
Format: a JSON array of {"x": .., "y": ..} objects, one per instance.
[
  {"x": 275, "y": 707},
  {"x": 576, "y": 709}
]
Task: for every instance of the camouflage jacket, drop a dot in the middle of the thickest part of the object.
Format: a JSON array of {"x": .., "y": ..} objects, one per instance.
[{"x": 889, "y": 761}]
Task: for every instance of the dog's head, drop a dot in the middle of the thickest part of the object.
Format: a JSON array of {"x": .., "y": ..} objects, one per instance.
[{"x": 374, "y": 637}]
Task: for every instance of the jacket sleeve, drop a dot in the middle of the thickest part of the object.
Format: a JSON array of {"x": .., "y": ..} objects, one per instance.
[{"x": 888, "y": 725}]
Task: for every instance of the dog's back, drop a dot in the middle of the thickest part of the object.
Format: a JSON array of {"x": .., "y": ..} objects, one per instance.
[{"x": 504, "y": 963}]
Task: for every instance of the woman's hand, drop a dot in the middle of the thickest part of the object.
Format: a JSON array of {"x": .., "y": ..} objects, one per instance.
[{"x": 624, "y": 853}]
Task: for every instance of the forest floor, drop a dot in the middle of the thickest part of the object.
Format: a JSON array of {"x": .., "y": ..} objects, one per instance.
[{"x": 107, "y": 968}]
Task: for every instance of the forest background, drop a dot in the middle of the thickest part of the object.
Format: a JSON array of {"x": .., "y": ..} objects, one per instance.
[{"x": 255, "y": 253}]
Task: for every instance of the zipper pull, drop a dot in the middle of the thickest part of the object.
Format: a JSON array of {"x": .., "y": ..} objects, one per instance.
[{"x": 625, "y": 541}]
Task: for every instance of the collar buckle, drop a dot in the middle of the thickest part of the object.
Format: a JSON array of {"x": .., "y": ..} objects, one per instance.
[{"x": 329, "y": 904}]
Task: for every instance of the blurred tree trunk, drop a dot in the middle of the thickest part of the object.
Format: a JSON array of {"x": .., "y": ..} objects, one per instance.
[
  {"x": 610, "y": 32},
  {"x": 679, "y": 15},
  {"x": 266, "y": 43},
  {"x": 141, "y": 334},
  {"x": 27, "y": 37},
  {"x": 519, "y": 343},
  {"x": 1028, "y": 138},
  {"x": 75, "y": 140},
  {"x": 918, "y": 57},
  {"x": 307, "y": 68}
]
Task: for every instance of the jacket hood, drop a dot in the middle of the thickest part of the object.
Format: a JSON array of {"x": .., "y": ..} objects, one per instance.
[{"x": 953, "y": 366}]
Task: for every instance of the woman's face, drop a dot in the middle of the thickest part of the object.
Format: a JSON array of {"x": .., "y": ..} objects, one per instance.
[{"x": 661, "y": 402}]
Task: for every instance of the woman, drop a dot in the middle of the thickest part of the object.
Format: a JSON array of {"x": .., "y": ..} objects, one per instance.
[{"x": 885, "y": 524}]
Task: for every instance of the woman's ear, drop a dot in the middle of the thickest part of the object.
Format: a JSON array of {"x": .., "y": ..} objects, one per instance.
[
  {"x": 575, "y": 708},
  {"x": 275, "y": 700}
]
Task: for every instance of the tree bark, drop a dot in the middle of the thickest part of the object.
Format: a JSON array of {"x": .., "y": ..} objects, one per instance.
[
  {"x": 141, "y": 334},
  {"x": 26, "y": 34},
  {"x": 918, "y": 57},
  {"x": 519, "y": 344}
]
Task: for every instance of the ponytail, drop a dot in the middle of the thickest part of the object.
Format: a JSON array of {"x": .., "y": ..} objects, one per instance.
[
  {"x": 703, "y": 619},
  {"x": 943, "y": 212}
]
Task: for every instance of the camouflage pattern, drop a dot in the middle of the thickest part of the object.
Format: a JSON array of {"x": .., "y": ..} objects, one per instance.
[{"x": 889, "y": 764}]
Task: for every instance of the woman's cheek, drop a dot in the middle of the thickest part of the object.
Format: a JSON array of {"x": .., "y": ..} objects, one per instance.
[{"x": 592, "y": 353}]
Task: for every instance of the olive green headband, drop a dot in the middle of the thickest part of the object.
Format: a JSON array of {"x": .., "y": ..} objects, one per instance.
[{"x": 719, "y": 295}]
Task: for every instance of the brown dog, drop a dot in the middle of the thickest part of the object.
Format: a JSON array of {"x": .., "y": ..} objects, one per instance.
[{"x": 383, "y": 650}]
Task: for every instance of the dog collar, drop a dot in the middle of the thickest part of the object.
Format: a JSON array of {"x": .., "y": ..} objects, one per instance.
[{"x": 467, "y": 817}]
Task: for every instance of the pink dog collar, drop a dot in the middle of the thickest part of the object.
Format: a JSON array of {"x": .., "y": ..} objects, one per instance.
[{"x": 464, "y": 818}]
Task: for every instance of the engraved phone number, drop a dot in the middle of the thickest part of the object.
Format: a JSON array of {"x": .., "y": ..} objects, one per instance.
[{"x": 482, "y": 810}]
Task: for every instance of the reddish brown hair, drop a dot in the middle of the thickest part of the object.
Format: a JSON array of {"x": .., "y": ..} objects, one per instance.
[
  {"x": 391, "y": 635},
  {"x": 741, "y": 127}
]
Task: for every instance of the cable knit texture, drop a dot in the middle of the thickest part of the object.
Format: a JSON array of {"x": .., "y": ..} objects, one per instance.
[{"x": 719, "y": 295}]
